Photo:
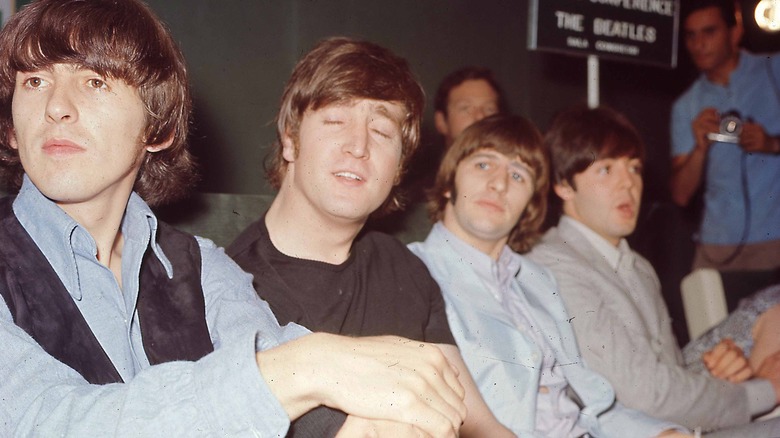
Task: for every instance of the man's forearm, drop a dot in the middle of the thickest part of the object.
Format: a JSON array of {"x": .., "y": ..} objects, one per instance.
[
  {"x": 687, "y": 174},
  {"x": 384, "y": 378}
]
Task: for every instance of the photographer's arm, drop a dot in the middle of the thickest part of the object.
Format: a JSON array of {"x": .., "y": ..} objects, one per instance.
[{"x": 688, "y": 169}]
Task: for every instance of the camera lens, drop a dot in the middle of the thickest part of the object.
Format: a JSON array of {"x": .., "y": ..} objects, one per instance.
[
  {"x": 730, "y": 123},
  {"x": 731, "y": 126}
]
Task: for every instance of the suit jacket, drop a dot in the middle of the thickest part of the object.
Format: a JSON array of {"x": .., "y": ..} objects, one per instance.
[
  {"x": 625, "y": 334},
  {"x": 504, "y": 363}
]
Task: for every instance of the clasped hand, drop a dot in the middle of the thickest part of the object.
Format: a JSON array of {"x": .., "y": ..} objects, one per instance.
[
  {"x": 376, "y": 378},
  {"x": 727, "y": 361}
]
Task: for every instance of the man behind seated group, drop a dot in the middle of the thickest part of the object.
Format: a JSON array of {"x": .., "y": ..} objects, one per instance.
[
  {"x": 612, "y": 294},
  {"x": 113, "y": 323},
  {"x": 466, "y": 96},
  {"x": 348, "y": 124},
  {"x": 740, "y": 226},
  {"x": 507, "y": 317}
]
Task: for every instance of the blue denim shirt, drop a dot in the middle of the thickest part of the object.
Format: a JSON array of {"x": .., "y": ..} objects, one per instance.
[{"x": 223, "y": 394}]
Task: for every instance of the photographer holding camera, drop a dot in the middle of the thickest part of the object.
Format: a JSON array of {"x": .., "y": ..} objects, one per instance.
[{"x": 725, "y": 131}]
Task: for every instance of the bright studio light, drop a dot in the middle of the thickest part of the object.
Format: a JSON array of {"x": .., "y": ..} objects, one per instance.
[{"x": 768, "y": 15}]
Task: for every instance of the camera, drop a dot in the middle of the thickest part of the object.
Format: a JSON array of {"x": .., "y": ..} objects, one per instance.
[{"x": 729, "y": 128}]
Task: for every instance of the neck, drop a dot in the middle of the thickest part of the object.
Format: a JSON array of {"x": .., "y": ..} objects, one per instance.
[
  {"x": 299, "y": 230},
  {"x": 722, "y": 73},
  {"x": 491, "y": 247},
  {"x": 103, "y": 222}
]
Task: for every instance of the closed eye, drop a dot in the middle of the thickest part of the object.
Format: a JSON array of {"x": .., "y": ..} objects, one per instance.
[{"x": 382, "y": 133}]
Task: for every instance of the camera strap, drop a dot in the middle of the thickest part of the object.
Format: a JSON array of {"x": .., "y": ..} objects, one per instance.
[{"x": 772, "y": 78}]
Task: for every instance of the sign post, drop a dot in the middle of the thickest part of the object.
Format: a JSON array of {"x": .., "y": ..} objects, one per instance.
[{"x": 642, "y": 31}]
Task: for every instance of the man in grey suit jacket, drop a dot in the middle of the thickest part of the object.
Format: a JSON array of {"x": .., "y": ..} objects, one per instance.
[
  {"x": 613, "y": 294},
  {"x": 505, "y": 312}
]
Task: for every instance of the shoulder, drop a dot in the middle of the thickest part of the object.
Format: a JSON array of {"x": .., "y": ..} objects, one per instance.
[
  {"x": 534, "y": 272},
  {"x": 168, "y": 234},
  {"x": 564, "y": 255},
  {"x": 379, "y": 245},
  {"x": 552, "y": 248},
  {"x": 249, "y": 238},
  {"x": 385, "y": 253},
  {"x": 684, "y": 102}
]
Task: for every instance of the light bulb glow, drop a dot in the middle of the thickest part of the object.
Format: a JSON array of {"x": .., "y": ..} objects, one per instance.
[{"x": 768, "y": 15}]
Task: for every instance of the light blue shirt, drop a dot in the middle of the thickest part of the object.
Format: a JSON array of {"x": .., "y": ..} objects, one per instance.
[
  {"x": 504, "y": 359},
  {"x": 754, "y": 91},
  {"x": 222, "y": 394}
]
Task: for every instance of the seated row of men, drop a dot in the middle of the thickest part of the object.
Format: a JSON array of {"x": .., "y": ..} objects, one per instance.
[{"x": 114, "y": 323}]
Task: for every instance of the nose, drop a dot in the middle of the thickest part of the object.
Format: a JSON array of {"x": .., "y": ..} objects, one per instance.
[
  {"x": 356, "y": 143},
  {"x": 695, "y": 42},
  {"x": 61, "y": 107},
  {"x": 477, "y": 114},
  {"x": 499, "y": 180},
  {"x": 627, "y": 178}
]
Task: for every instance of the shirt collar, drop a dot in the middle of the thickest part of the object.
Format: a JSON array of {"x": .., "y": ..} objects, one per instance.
[
  {"x": 501, "y": 271},
  {"x": 61, "y": 239},
  {"x": 609, "y": 252},
  {"x": 740, "y": 70}
]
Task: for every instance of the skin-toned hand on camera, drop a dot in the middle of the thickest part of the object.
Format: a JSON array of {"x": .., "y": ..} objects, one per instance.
[
  {"x": 384, "y": 378},
  {"x": 708, "y": 121},
  {"x": 755, "y": 139},
  {"x": 727, "y": 361},
  {"x": 770, "y": 370}
]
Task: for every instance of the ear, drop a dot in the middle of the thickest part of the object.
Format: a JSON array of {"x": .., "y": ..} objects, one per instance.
[
  {"x": 448, "y": 194},
  {"x": 289, "y": 152},
  {"x": 440, "y": 119},
  {"x": 564, "y": 191},
  {"x": 160, "y": 146},
  {"x": 737, "y": 31},
  {"x": 12, "y": 139}
]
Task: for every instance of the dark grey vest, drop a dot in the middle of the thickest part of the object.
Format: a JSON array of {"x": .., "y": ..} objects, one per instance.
[{"x": 171, "y": 311}]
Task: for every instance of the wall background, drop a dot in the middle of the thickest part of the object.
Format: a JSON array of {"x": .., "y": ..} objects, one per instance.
[{"x": 240, "y": 54}]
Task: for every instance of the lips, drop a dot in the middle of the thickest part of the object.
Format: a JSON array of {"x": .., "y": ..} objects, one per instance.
[
  {"x": 349, "y": 175},
  {"x": 491, "y": 204},
  {"x": 61, "y": 147},
  {"x": 627, "y": 209}
]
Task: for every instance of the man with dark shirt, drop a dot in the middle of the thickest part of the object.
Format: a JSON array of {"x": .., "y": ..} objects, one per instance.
[
  {"x": 113, "y": 323},
  {"x": 349, "y": 121}
]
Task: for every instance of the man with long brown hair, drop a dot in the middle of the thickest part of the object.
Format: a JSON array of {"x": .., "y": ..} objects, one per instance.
[
  {"x": 488, "y": 202},
  {"x": 348, "y": 124},
  {"x": 113, "y": 323}
]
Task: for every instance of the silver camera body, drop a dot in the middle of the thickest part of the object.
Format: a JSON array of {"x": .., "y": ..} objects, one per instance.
[{"x": 729, "y": 129}]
